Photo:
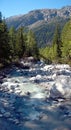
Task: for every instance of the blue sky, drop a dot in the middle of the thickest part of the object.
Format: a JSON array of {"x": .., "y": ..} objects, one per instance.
[{"x": 16, "y": 7}]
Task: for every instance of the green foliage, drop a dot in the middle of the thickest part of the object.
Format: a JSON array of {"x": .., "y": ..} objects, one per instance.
[
  {"x": 15, "y": 44},
  {"x": 4, "y": 42},
  {"x": 22, "y": 44},
  {"x": 66, "y": 42},
  {"x": 31, "y": 45},
  {"x": 60, "y": 51},
  {"x": 45, "y": 32},
  {"x": 19, "y": 42},
  {"x": 12, "y": 42},
  {"x": 46, "y": 54},
  {"x": 41, "y": 22},
  {"x": 56, "y": 46}
]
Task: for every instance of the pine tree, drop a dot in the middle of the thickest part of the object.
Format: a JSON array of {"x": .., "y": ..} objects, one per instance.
[
  {"x": 66, "y": 42},
  {"x": 57, "y": 44},
  {"x": 20, "y": 42},
  {"x": 31, "y": 48},
  {"x": 4, "y": 42},
  {"x": 12, "y": 42}
]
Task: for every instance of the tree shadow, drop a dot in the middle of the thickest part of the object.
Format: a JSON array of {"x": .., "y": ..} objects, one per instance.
[{"x": 23, "y": 113}]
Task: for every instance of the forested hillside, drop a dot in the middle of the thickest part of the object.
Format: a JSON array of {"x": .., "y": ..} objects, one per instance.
[
  {"x": 51, "y": 42},
  {"x": 60, "y": 51},
  {"x": 15, "y": 44},
  {"x": 42, "y": 22}
]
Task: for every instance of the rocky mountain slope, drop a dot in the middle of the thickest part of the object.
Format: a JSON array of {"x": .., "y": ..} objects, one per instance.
[{"x": 42, "y": 21}]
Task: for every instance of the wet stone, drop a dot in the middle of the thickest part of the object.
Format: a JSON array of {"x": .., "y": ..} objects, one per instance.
[
  {"x": 1, "y": 115},
  {"x": 41, "y": 101},
  {"x": 7, "y": 114}
]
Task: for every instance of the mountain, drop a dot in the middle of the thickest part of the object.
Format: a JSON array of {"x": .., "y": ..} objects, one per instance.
[{"x": 42, "y": 22}]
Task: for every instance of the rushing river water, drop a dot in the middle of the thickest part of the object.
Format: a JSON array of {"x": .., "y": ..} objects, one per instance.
[{"x": 29, "y": 102}]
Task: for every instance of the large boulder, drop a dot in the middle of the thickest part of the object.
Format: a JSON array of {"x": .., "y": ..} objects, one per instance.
[{"x": 61, "y": 88}]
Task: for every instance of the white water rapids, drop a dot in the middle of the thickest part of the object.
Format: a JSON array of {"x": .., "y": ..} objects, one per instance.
[{"x": 37, "y": 98}]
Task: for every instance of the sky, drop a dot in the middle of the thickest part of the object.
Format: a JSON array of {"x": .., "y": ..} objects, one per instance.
[{"x": 17, "y": 7}]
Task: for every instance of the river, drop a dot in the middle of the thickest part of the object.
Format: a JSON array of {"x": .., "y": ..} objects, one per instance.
[{"x": 38, "y": 98}]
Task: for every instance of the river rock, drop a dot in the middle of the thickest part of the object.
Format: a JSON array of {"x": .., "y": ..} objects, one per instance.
[
  {"x": 61, "y": 87},
  {"x": 7, "y": 114},
  {"x": 55, "y": 93}
]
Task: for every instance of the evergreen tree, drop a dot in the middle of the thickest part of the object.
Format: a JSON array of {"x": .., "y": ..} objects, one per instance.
[
  {"x": 31, "y": 48},
  {"x": 20, "y": 42},
  {"x": 12, "y": 41},
  {"x": 4, "y": 42},
  {"x": 56, "y": 47},
  {"x": 66, "y": 42}
]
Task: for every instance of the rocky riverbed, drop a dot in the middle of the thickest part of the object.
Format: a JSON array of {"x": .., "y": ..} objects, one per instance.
[{"x": 36, "y": 98}]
